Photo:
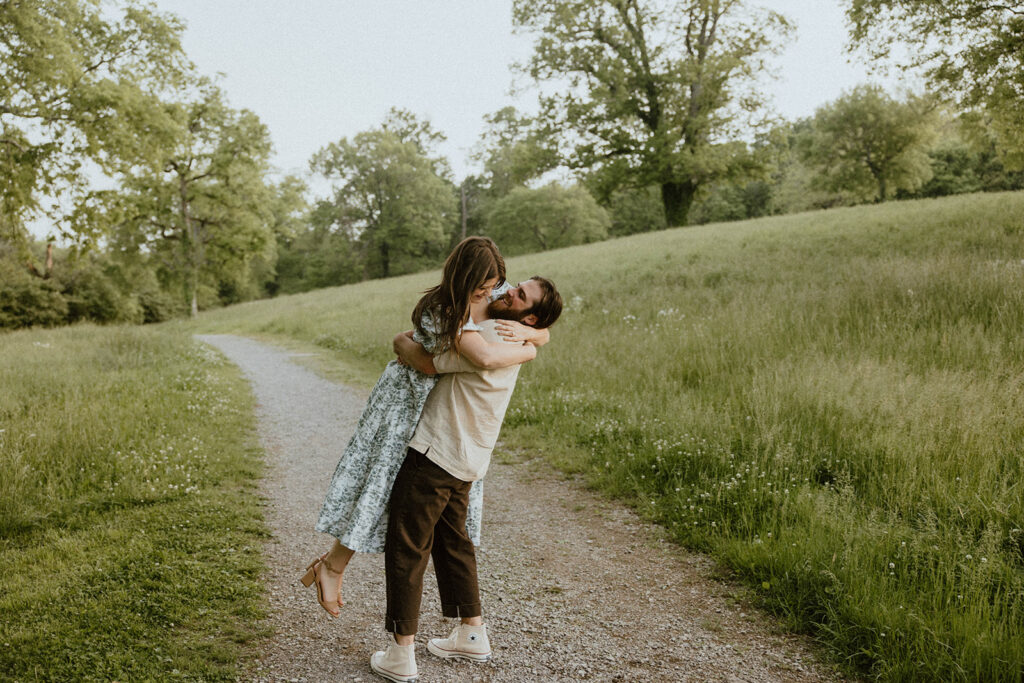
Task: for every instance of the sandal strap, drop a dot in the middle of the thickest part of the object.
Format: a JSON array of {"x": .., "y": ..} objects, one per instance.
[{"x": 323, "y": 559}]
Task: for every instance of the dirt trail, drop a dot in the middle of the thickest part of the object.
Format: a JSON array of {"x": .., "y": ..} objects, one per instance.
[{"x": 574, "y": 587}]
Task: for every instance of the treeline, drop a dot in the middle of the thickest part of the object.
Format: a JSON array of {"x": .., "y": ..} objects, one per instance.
[
  {"x": 866, "y": 146},
  {"x": 649, "y": 116}
]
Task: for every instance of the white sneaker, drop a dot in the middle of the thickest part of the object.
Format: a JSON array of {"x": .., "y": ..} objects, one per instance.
[
  {"x": 397, "y": 663},
  {"x": 465, "y": 642}
]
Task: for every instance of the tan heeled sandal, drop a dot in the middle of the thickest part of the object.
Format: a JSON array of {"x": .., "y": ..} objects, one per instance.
[{"x": 312, "y": 576}]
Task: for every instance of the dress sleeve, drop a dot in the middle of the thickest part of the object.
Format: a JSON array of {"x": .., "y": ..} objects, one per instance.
[
  {"x": 429, "y": 340},
  {"x": 500, "y": 290}
]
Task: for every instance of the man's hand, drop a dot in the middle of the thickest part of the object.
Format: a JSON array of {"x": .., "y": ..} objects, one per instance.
[
  {"x": 512, "y": 331},
  {"x": 411, "y": 353},
  {"x": 395, "y": 344}
]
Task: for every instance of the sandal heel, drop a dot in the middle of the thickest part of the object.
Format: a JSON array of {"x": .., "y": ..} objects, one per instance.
[
  {"x": 312, "y": 576},
  {"x": 309, "y": 577}
]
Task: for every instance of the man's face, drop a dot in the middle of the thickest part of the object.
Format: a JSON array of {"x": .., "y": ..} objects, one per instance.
[{"x": 516, "y": 301}]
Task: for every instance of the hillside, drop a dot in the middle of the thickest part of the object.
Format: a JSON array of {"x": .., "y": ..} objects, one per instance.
[{"x": 826, "y": 402}]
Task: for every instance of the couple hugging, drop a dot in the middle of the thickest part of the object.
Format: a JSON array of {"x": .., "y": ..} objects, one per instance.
[{"x": 409, "y": 483}]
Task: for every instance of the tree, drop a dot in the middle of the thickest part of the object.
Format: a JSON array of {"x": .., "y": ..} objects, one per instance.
[
  {"x": 527, "y": 221},
  {"x": 289, "y": 211},
  {"x": 650, "y": 90},
  {"x": 388, "y": 196},
  {"x": 971, "y": 51},
  {"x": 79, "y": 80},
  {"x": 513, "y": 152},
  {"x": 201, "y": 206},
  {"x": 870, "y": 144},
  {"x": 634, "y": 210}
]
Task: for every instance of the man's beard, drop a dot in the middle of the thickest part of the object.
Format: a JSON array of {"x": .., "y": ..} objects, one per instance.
[{"x": 497, "y": 311}]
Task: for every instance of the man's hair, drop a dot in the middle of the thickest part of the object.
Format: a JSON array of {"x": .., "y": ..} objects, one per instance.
[{"x": 549, "y": 307}]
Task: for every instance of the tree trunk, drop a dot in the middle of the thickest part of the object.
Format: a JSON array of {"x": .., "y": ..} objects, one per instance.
[
  {"x": 463, "y": 193},
  {"x": 385, "y": 266},
  {"x": 677, "y": 198},
  {"x": 883, "y": 189},
  {"x": 190, "y": 245}
]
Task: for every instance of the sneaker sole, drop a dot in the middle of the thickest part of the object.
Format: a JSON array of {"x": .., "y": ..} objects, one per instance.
[
  {"x": 446, "y": 654},
  {"x": 393, "y": 677}
]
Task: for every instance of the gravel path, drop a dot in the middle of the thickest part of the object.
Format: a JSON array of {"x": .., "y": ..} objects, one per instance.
[{"x": 574, "y": 587}]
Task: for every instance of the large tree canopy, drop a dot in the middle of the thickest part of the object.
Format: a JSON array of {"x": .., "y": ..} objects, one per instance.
[
  {"x": 650, "y": 91},
  {"x": 78, "y": 82},
  {"x": 870, "y": 144},
  {"x": 513, "y": 152},
  {"x": 202, "y": 205},
  {"x": 389, "y": 196},
  {"x": 971, "y": 50}
]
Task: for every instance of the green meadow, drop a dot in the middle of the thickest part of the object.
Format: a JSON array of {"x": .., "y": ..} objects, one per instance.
[
  {"x": 130, "y": 525},
  {"x": 829, "y": 403}
]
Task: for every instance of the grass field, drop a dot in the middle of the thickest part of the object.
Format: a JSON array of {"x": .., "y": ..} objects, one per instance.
[
  {"x": 829, "y": 403},
  {"x": 129, "y": 519}
]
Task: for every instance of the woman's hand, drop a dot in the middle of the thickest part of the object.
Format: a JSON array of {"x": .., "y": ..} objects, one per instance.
[{"x": 512, "y": 331}]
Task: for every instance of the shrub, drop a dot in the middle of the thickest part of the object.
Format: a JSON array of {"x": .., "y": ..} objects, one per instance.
[
  {"x": 636, "y": 210},
  {"x": 93, "y": 294},
  {"x": 527, "y": 220},
  {"x": 27, "y": 300}
]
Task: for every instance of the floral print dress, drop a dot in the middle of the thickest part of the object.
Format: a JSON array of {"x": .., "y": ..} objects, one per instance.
[{"x": 355, "y": 510}]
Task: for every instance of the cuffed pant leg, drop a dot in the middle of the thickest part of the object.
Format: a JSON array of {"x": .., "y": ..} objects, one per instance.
[
  {"x": 455, "y": 558},
  {"x": 417, "y": 501}
]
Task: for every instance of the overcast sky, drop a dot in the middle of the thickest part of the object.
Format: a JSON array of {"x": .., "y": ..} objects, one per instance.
[{"x": 318, "y": 70}]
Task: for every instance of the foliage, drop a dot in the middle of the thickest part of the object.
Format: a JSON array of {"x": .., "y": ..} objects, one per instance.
[
  {"x": 288, "y": 213},
  {"x": 315, "y": 258},
  {"x": 635, "y": 210},
  {"x": 93, "y": 293},
  {"x": 514, "y": 151},
  {"x": 970, "y": 50},
  {"x": 960, "y": 155},
  {"x": 388, "y": 196},
  {"x": 25, "y": 299},
  {"x": 868, "y": 143},
  {"x": 202, "y": 206},
  {"x": 800, "y": 396},
  {"x": 549, "y": 217},
  {"x": 130, "y": 463},
  {"x": 77, "y": 83},
  {"x": 734, "y": 202},
  {"x": 649, "y": 90}
]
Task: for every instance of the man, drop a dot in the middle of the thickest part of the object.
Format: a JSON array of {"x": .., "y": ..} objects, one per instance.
[{"x": 450, "y": 449}]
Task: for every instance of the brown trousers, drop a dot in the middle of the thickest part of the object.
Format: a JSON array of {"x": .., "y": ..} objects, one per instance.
[{"x": 428, "y": 518}]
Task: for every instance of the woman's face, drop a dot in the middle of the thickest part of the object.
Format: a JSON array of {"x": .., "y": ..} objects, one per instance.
[{"x": 483, "y": 291}]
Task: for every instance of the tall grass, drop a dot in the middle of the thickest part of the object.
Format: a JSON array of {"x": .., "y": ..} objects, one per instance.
[
  {"x": 129, "y": 521},
  {"x": 830, "y": 403}
]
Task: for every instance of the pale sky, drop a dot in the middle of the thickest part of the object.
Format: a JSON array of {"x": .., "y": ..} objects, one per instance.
[
  {"x": 318, "y": 70},
  {"x": 315, "y": 71}
]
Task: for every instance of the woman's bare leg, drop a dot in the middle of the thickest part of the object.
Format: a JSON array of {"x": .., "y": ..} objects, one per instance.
[{"x": 333, "y": 568}]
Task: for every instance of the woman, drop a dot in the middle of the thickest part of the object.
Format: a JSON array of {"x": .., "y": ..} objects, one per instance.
[{"x": 355, "y": 508}]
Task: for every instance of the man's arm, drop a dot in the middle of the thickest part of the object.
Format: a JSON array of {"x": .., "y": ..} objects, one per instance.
[{"x": 413, "y": 354}]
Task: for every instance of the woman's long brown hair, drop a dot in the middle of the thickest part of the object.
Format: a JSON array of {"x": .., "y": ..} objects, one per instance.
[{"x": 474, "y": 261}]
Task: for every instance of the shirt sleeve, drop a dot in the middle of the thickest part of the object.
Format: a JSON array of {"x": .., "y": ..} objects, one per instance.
[{"x": 450, "y": 361}]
